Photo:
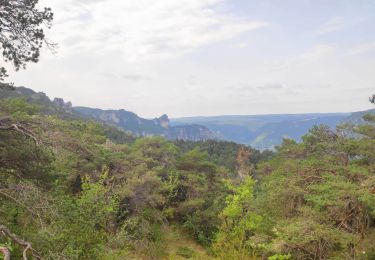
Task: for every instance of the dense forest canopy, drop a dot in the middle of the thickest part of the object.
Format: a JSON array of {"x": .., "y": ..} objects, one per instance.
[{"x": 71, "y": 190}]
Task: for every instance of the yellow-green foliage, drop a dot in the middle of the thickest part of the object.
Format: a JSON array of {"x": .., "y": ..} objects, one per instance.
[
  {"x": 75, "y": 194},
  {"x": 239, "y": 222},
  {"x": 315, "y": 200},
  {"x": 99, "y": 197}
]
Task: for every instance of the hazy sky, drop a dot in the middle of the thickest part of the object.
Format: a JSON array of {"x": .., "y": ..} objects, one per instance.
[{"x": 209, "y": 57}]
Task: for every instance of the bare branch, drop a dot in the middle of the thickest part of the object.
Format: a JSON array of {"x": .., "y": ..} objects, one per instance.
[
  {"x": 19, "y": 129},
  {"x": 27, "y": 245},
  {"x": 18, "y": 202}
]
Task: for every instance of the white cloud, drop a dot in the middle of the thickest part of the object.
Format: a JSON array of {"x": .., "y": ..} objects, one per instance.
[
  {"x": 143, "y": 30},
  {"x": 313, "y": 55},
  {"x": 362, "y": 48},
  {"x": 332, "y": 25},
  {"x": 197, "y": 57},
  {"x": 240, "y": 45}
]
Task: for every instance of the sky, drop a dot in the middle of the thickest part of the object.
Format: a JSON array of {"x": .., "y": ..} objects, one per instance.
[{"x": 209, "y": 57}]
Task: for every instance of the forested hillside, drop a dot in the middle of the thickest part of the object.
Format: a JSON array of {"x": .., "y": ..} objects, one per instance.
[
  {"x": 76, "y": 192},
  {"x": 71, "y": 189},
  {"x": 120, "y": 119},
  {"x": 132, "y": 123}
]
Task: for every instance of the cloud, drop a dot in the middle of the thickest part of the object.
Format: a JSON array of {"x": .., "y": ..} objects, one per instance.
[
  {"x": 271, "y": 86},
  {"x": 245, "y": 88},
  {"x": 143, "y": 30},
  {"x": 332, "y": 25},
  {"x": 315, "y": 53},
  {"x": 194, "y": 57},
  {"x": 241, "y": 45},
  {"x": 312, "y": 55},
  {"x": 135, "y": 77},
  {"x": 362, "y": 48}
]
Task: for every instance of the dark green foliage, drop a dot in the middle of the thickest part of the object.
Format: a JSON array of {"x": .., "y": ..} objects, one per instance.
[
  {"x": 199, "y": 194},
  {"x": 315, "y": 200},
  {"x": 97, "y": 193},
  {"x": 75, "y": 193},
  {"x": 20, "y": 155},
  {"x": 21, "y": 31},
  {"x": 224, "y": 153},
  {"x": 117, "y": 136}
]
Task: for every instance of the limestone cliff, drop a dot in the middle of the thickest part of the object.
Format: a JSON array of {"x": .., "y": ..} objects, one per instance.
[
  {"x": 121, "y": 119},
  {"x": 138, "y": 126}
]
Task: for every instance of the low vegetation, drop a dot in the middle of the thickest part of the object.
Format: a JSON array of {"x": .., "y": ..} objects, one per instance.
[{"x": 71, "y": 189}]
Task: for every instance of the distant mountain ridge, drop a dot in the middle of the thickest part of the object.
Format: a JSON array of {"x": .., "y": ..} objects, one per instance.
[
  {"x": 259, "y": 131},
  {"x": 129, "y": 121},
  {"x": 48, "y": 106},
  {"x": 122, "y": 119},
  {"x": 357, "y": 117},
  {"x": 264, "y": 131}
]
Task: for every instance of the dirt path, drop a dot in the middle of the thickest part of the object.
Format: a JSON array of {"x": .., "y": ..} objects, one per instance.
[{"x": 180, "y": 246}]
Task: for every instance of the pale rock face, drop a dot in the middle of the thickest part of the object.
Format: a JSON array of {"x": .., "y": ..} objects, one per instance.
[
  {"x": 36, "y": 96},
  {"x": 62, "y": 106},
  {"x": 164, "y": 121},
  {"x": 122, "y": 119},
  {"x": 142, "y": 127},
  {"x": 190, "y": 132},
  {"x": 115, "y": 118}
]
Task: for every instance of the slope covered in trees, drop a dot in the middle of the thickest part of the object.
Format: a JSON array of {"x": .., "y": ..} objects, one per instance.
[
  {"x": 314, "y": 200},
  {"x": 69, "y": 189},
  {"x": 74, "y": 191},
  {"x": 121, "y": 119}
]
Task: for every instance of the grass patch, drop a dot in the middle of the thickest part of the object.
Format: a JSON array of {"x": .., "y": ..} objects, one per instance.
[{"x": 185, "y": 252}]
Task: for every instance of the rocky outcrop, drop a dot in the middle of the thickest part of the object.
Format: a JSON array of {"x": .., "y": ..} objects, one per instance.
[
  {"x": 163, "y": 121},
  {"x": 138, "y": 126},
  {"x": 62, "y": 106},
  {"x": 57, "y": 106},
  {"x": 121, "y": 119},
  {"x": 190, "y": 132}
]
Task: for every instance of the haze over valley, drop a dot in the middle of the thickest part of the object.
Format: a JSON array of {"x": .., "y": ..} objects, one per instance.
[{"x": 258, "y": 131}]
